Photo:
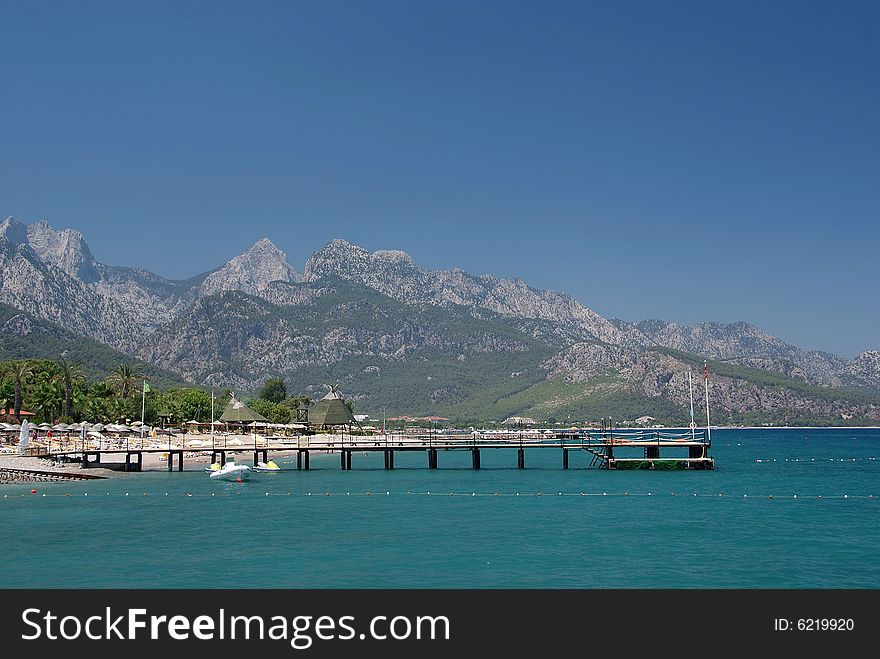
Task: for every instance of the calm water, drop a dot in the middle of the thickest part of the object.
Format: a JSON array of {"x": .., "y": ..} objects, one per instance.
[{"x": 616, "y": 536}]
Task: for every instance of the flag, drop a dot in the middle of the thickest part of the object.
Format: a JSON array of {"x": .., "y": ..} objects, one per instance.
[
  {"x": 706, "y": 371},
  {"x": 146, "y": 387}
]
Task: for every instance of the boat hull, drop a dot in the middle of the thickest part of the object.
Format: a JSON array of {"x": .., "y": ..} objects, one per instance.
[{"x": 234, "y": 473}]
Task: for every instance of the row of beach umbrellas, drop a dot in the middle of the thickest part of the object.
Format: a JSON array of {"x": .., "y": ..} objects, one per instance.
[
  {"x": 135, "y": 426},
  {"x": 78, "y": 427}
]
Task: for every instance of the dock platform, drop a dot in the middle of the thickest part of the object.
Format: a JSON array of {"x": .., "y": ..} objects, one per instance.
[{"x": 623, "y": 449}]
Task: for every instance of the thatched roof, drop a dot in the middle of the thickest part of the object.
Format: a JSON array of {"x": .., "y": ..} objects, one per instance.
[
  {"x": 237, "y": 412},
  {"x": 331, "y": 410}
]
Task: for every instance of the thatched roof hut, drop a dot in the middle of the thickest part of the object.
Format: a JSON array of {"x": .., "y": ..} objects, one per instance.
[
  {"x": 237, "y": 412},
  {"x": 331, "y": 410}
]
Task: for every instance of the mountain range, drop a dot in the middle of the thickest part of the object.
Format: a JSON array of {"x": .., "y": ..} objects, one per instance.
[{"x": 410, "y": 339}]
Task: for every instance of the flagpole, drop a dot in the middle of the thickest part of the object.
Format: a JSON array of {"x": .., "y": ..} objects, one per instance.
[
  {"x": 693, "y": 424},
  {"x": 212, "y": 418},
  {"x": 708, "y": 425}
]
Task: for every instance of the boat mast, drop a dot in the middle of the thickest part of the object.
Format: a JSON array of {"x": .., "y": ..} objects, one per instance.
[
  {"x": 693, "y": 424},
  {"x": 706, "y": 379},
  {"x": 212, "y": 417}
]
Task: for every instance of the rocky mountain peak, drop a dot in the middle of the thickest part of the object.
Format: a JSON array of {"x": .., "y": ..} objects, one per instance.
[
  {"x": 13, "y": 232},
  {"x": 252, "y": 271},
  {"x": 66, "y": 249},
  {"x": 344, "y": 259},
  {"x": 393, "y": 256},
  {"x": 335, "y": 258},
  {"x": 863, "y": 371}
]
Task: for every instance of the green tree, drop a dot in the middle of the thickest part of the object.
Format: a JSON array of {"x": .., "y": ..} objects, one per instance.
[
  {"x": 298, "y": 406},
  {"x": 20, "y": 372},
  {"x": 47, "y": 397},
  {"x": 7, "y": 395},
  {"x": 97, "y": 410},
  {"x": 69, "y": 375},
  {"x": 274, "y": 390},
  {"x": 187, "y": 403},
  {"x": 125, "y": 378},
  {"x": 275, "y": 412}
]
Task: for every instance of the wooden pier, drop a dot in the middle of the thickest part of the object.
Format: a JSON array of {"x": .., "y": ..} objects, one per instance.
[{"x": 652, "y": 449}]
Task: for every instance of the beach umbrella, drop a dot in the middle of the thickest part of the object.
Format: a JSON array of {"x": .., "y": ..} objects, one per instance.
[
  {"x": 193, "y": 422},
  {"x": 195, "y": 442},
  {"x": 44, "y": 426},
  {"x": 60, "y": 427},
  {"x": 236, "y": 442},
  {"x": 24, "y": 435}
]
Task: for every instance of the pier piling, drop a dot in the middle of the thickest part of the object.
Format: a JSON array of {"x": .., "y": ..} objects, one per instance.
[
  {"x": 565, "y": 458},
  {"x": 475, "y": 457},
  {"x": 521, "y": 458}
]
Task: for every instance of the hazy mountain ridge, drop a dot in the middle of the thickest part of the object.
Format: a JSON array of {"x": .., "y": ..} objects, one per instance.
[
  {"x": 373, "y": 320},
  {"x": 395, "y": 274},
  {"x": 746, "y": 345}
]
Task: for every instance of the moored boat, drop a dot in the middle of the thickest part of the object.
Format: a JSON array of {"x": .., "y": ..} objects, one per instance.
[{"x": 229, "y": 472}]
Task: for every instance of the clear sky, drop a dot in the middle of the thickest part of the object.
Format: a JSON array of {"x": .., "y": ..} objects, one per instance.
[{"x": 682, "y": 160}]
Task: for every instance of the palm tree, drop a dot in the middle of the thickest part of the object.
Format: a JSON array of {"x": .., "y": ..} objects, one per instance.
[
  {"x": 48, "y": 397},
  {"x": 7, "y": 396},
  {"x": 20, "y": 371},
  {"x": 124, "y": 378},
  {"x": 69, "y": 375},
  {"x": 95, "y": 410}
]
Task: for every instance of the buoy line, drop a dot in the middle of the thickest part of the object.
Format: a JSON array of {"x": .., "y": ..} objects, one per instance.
[
  {"x": 715, "y": 495},
  {"x": 819, "y": 460}
]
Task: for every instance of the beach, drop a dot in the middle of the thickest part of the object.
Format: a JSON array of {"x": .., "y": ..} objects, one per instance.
[{"x": 153, "y": 461}]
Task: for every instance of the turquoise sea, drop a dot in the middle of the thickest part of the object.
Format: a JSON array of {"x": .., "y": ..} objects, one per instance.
[{"x": 784, "y": 508}]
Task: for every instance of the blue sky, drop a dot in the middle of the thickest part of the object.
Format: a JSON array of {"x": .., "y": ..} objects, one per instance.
[{"x": 682, "y": 160}]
